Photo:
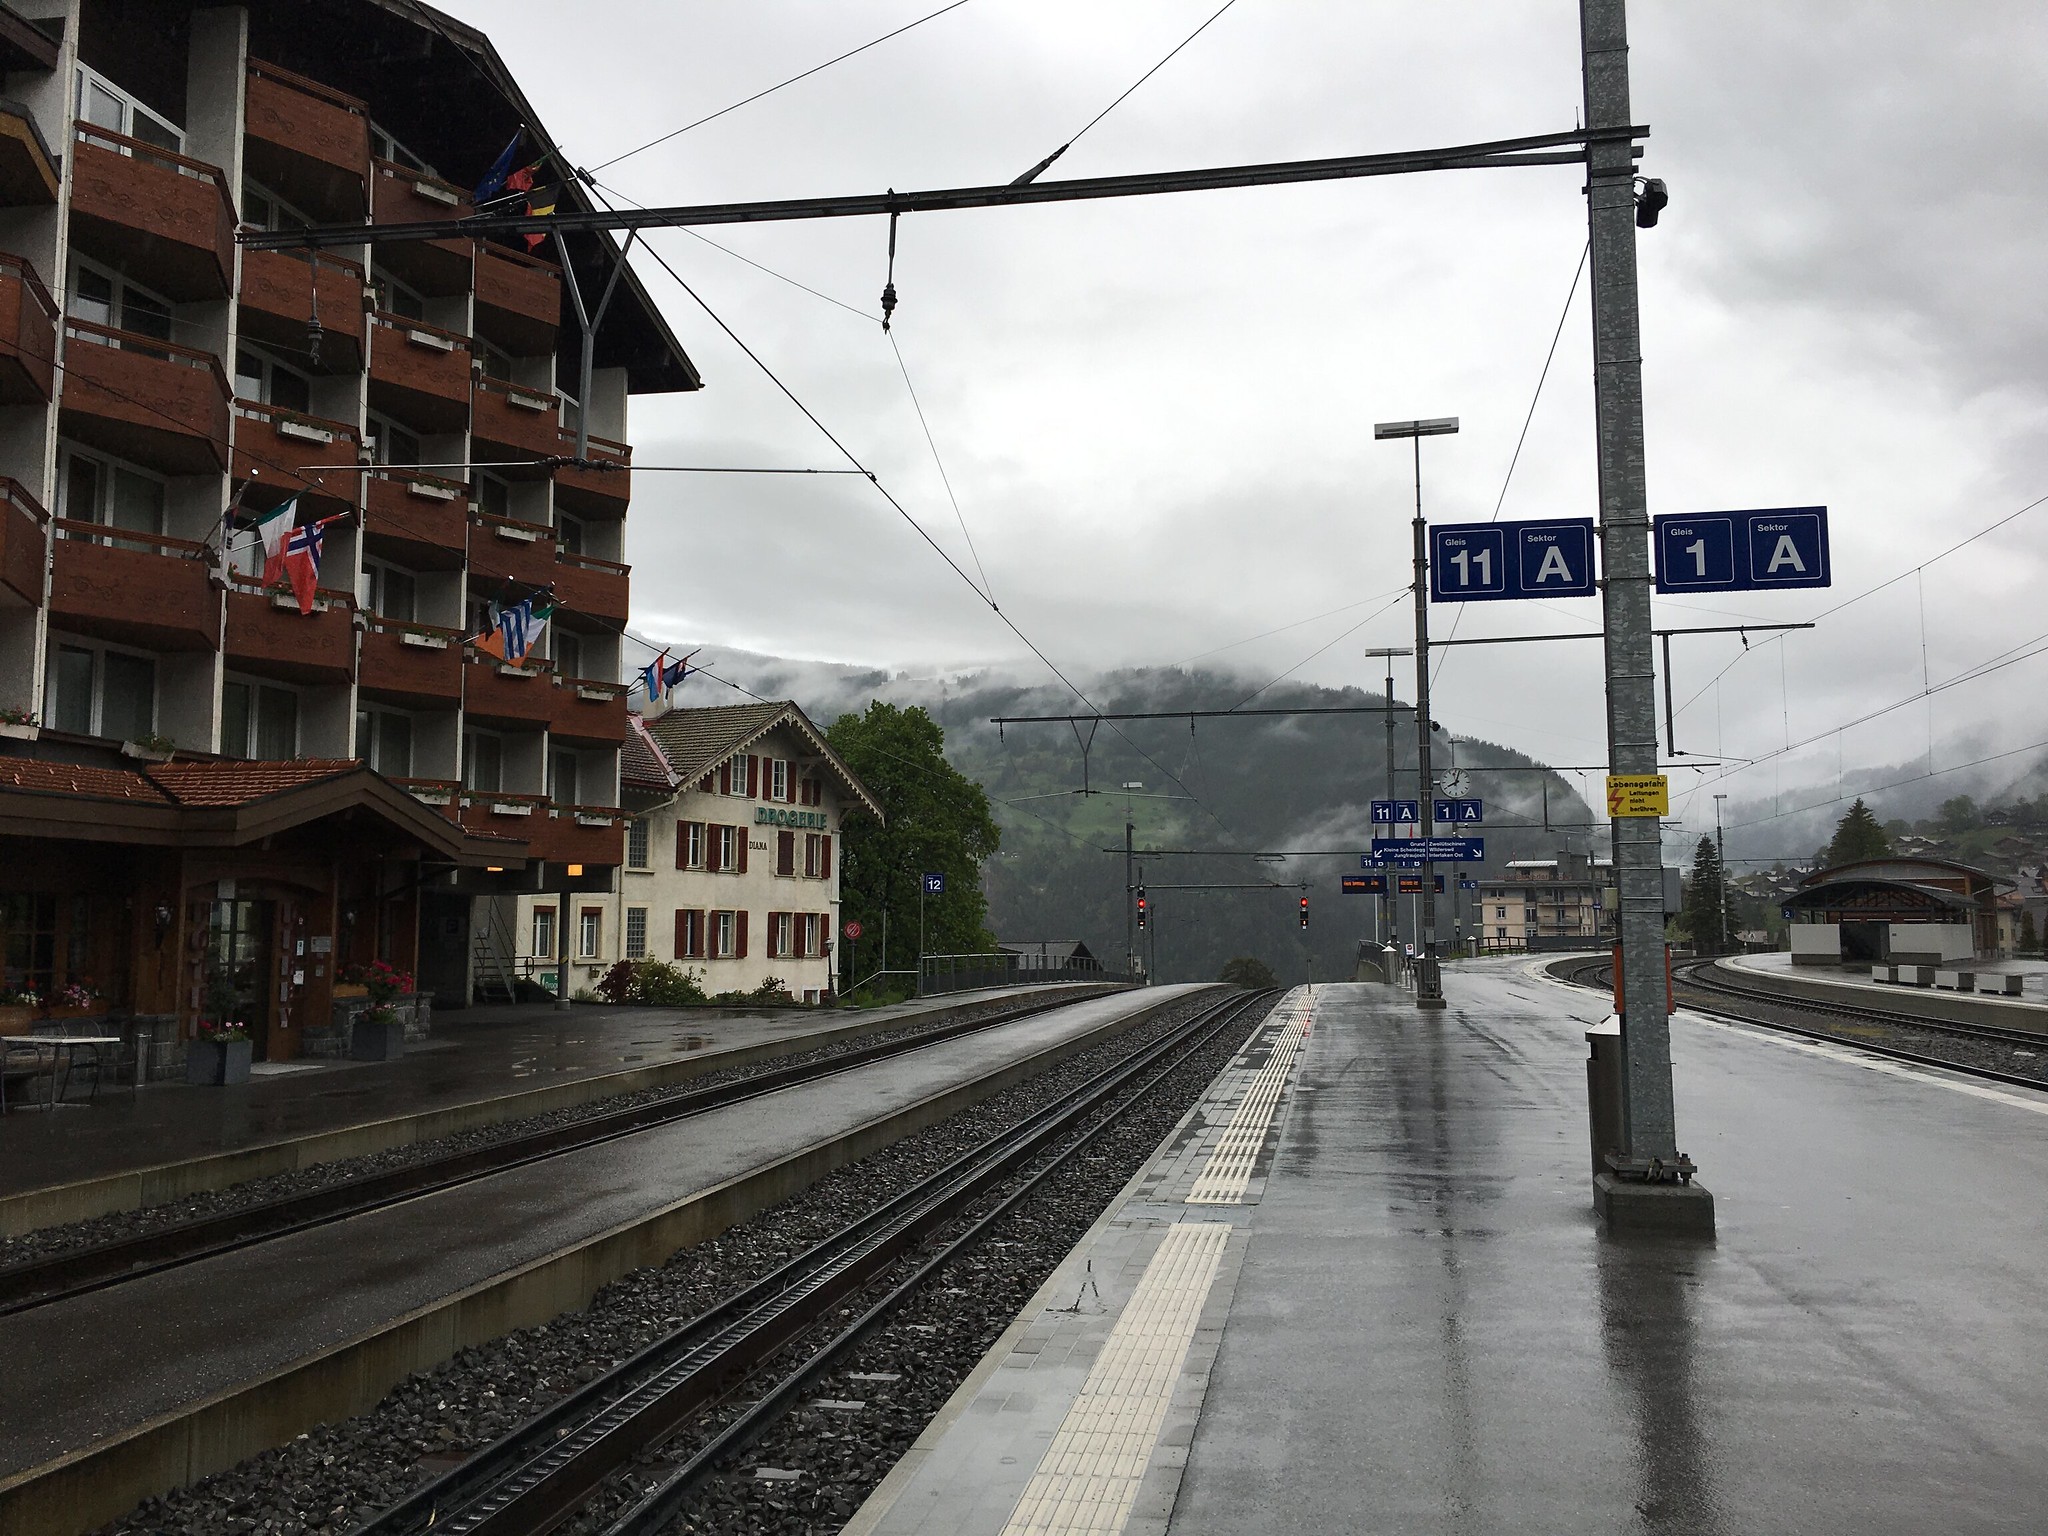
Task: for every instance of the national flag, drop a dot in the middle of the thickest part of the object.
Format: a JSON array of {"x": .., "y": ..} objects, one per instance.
[
  {"x": 651, "y": 675},
  {"x": 672, "y": 676},
  {"x": 521, "y": 180},
  {"x": 274, "y": 530},
  {"x": 500, "y": 171},
  {"x": 534, "y": 239},
  {"x": 302, "y": 563},
  {"x": 517, "y": 631}
]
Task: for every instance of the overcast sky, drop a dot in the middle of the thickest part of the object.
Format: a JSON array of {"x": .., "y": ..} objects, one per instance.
[{"x": 1157, "y": 413}]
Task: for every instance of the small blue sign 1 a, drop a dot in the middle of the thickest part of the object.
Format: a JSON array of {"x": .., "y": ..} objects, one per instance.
[
  {"x": 1460, "y": 812},
  {"x": 1742, "y": 551},
  {"x": 1479, "y": 562},
  {"x": 1390, "y": 812},
  {"x": 934, "y": 884}
]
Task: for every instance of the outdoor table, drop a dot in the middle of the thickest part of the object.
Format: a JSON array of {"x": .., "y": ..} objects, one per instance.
[{"x": 63, "y": 1050}]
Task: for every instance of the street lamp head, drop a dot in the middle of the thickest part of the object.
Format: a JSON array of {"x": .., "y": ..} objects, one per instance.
[{"x": 1434, "y": 426}]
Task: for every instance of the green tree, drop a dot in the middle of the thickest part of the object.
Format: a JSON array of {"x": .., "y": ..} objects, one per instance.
[
  {"x": 938, "y": 821},
  {"x": 1251, "y": 974},
  {"x": 1960, "y": 814},
  {"x": 1857, "y": 836},
  {"x": 1703, "y": 901},
  {"x": 2030, "y": 937}
]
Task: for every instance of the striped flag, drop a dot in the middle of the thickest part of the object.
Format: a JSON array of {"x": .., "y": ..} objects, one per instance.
[
  {"x": 517, "y": 631},
  {"x": 301, "y": 562}
]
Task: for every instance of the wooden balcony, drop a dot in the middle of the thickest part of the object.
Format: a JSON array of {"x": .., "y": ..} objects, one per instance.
[
  {"x": 421, "y": 521},
  {"x": 419, "y": 373},
  {"x": 590, "y": 586},
  {"x": 443, "y": 796},
  {"x": 28, "y": 334},
  {"x": 588, "y": 713},
  {"x": 309, "y": 141},
  {"x": 502, "y": 814},
  {"x": 146, "y": 209},
  {"x": 28, "y": 171},
  {"x": 495, "y": 694},
  {"x": 288, "y": 449},
  {"x": 23, "y": 545},
  {"x": 510, "y": 421},
  {"x": 277, "y": 307},
  {"x": 578, "y": 834},
  {"x": 401, "y": 196},
  {"x": 417, "y": 666},
  {"x": 518, "y": 300},
  {"x": 153, "y": 402},
  {"x": 604, "y": 487},
  {"x": 268, "y": 635},
  {"x": 501, "y": 549},
  {"x": 140, "y": 589}
]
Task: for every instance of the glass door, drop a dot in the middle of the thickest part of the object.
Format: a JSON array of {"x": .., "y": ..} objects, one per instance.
[{"x": 238, "y": 973}]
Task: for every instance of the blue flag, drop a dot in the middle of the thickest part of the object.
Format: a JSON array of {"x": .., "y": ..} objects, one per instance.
[{"x": 501, "y": 169}]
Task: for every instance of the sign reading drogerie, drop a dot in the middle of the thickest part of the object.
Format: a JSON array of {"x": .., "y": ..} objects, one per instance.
[
  {"x": 1742, "y": 551},
  {"x": 1638, "y": 794}
]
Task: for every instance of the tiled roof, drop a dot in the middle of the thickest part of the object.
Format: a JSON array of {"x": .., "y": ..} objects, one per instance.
[
  {"x": 233, "y": 783},
  {"x": 70, "y": 779},
  {"x": 642, "y": 764},
  {"x": 696, "y": 740}
]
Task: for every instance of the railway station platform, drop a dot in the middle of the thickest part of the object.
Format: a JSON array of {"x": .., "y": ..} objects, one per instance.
[
  {"x": 482, "y": 1067},
  {"x": 1362, "y": 1288},
  {"x": 2033, "y": 974}
]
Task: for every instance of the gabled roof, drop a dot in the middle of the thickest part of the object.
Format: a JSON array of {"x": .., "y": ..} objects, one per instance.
[
  {"x": 642, "y": 763},
  {"x": 694, "y": 741},
  {"x": 237, "y": 783}
]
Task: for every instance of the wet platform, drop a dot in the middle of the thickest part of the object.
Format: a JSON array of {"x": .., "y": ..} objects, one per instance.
[
  {"x": 474, "y": 1056},
  {"x": 2033, "y": 975},
  {"x": 1399, "y": 1313}
]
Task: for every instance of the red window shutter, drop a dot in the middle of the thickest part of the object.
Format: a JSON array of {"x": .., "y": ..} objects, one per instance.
[
  {"x": 739, "y": 835},
  {"x": 711, "y": 863},
  {"x": 725, "y": 777},
  {"x": 682, "y": 845},
  {"x": 697, "y": 935},
  {"x": 825, "y": 860},
  {"x": 682, "y": 933},
  {"x": 739, "y": 935},
  {"x": 705, "y": 786},
  {"x": 753, "y": 776},
  {"x": 785, "y": 853}
]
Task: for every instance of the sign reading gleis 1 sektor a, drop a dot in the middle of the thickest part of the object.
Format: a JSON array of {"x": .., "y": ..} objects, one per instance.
[{"x": 1638, "y": 794}]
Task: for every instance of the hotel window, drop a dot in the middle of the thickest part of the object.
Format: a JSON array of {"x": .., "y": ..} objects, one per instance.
[
  {"x": 568, "y": 653},
  {"x": 726, "y": 846},
  {"x": 393, "y": 443},
  {"x": 636, "y": 933},
  {"x": 494, "y": 496},
  {"x": 395, "y": 298},
  {"x": 259, "y": 376},
  {"x": 102, "y": 296},
  {"x": 264, "y": 209},
  {"x": 812, "y": 942},
  {"x": 813, "y": 855},
  {"x": 543, "y": 933},
  {"x": 589, "y": 932},
  {"x": 724, "y": 934},
  {"x": 384, "y": 741},
  {"x": 1500, "y": 911},
  {"x": 689, "y": 935},
  {"x": 689, "y": 845},
  {"x": 389, "y": 591},
  {"x": 636, "y": 844},
  {"x": 779, "y": 780},
  {"x": 738, "y": 774},
  {"x": 780, "y": 927},
  {"x": 562, "y": 778},
  {"x": 570, "y": 531},
  {"x": 92, "y": 489},
  {"x": 100, "y": 693},
  {"x": 483, "y": 761},
  {"x": 105, "y": 105}
]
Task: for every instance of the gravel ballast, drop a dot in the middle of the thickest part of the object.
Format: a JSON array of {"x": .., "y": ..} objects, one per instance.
[{"x": 328, "y": 1480}]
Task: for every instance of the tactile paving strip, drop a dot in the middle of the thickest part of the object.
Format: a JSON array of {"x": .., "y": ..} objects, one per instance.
[
  {"x": 1229, "y": 1171},
  {"x": 1088, "y": 1478}
]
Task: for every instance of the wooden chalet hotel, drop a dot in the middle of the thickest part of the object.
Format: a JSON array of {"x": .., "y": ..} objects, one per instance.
[{"x": 200, "y": 783}]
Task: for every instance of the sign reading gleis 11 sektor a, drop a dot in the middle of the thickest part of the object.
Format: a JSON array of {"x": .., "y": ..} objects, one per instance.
[{"x": 1478, "y": 562}]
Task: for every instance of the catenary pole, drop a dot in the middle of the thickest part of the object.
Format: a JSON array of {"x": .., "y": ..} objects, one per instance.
[
  {"x": 1130, "y": 907},
  {"x": 1429, "y": 988},
  {"x": 1649, "y": 1129}
]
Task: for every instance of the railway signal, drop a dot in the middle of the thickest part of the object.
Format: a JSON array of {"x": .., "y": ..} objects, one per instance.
[
  {"x": 1143, "y": 906},
  {"x": 1304, "y": 914}
]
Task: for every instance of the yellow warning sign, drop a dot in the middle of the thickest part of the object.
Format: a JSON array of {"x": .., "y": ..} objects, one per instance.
[{"x": 1638, "y": 794}]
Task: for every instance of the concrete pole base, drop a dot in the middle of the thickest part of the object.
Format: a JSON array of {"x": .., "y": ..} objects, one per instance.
[
  {"x": 1430, "y": 1004},
  {"x": 1671, "y": 1210}
]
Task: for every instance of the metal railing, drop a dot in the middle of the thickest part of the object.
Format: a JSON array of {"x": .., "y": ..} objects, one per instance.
[{"x": 960, "y": 973}]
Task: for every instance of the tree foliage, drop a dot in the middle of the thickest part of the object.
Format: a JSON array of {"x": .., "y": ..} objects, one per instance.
[
  {"x": 2030, "y": 938},
  {"x": 938, "y": 821},
  {"x": 1703, "y": 901},
  {"x": 1857, "y": 836},
  {"x": 1960, "y": 815},
  {"x": 1245, "y": 971}
]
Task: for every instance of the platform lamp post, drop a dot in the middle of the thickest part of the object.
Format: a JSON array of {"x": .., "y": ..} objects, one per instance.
[
  {"x": 1429, "y": 986},
  {"x": 1390, "y": 901},
  {"x": 1721, "y": 858}
]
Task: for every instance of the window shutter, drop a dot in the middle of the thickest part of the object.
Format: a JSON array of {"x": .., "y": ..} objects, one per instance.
[
  {"x": 739, "y": 835},
  {"x": 753, "y": 776},
  {"x": 825, "y": 859},
  {"x": 682, "y": 933},
  {"x": 682, "y": 845},
  {"x": 785, "y": 853},
  {"x": 725, "y": 777},
  {"x": 711, "y": 864},
  {"x": 739, "y": 935},
  {"x": 696, "y": 935},
  {"x": 705, "y": 786}
]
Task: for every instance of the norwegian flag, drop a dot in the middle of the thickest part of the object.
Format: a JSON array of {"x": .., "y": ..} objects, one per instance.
[{"x": 302, "y": 563}]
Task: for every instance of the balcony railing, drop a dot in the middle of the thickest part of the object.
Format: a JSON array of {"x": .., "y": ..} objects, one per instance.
[
  {"x": 419, "y": 665},
  {"x": 505, "y": 549},
  {"x": 419, "y": 373},
  {"x": 144, "y": 589},
  {"x": 289, "y": 449},
  {"x": 444, "y": 795},
  {"x": 23, "y": 543},
  {"x": 277, "y": 306},
  {"x": 579, "y": 834},
  {"x": 402, "y": 196},
  {"x": 268, "y": 635},
  {"x": 590, "y": 712},
  {"x": 28, "y": 171},
  {"x": 417, "y": 519},
  {"x": 518, "y": 300},
  {"x": 141, "y": 206},
  {"x": 602, "y": 489},
  {"x": 502, "y": 813},
  {"x": 157, "y": 403},
  {"x": 588, "y": 585},
  {"x": 517, "y": 696},
  {"x": 515, "y": 420},
  {"x": 308, "y": 140},
  {"x": 28, "y": 334}
]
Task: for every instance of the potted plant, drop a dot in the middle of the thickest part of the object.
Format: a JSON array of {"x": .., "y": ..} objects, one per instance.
[
  {"x": 378, "y": 1033},
  {"x": 18, "y": 1009},
  {"x": 150, "y": 749},
  {"x": 74, "y": 1000},
  {"x": 20, "y": 724}
]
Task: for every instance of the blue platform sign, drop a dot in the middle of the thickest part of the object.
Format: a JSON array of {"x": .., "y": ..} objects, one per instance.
[
  {"x": 1479, "y": 562},
  {"x": 1473, "y": 885},
  {"x": 934, "y": 884},
  {"x": 1409, "y": 851},
  {"x": 1455, "y": 813},
  {"x": 1389, "y": 812},
  {"x": 1742, "y": 551}
]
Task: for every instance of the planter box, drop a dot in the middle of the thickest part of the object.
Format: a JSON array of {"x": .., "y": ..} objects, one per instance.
[
  {"x": 372, "y": 1039},
  {"x": 344, "y": 989},
  {"x": 216, "y": 1063},
  {"x": 16, "y": 1019}
]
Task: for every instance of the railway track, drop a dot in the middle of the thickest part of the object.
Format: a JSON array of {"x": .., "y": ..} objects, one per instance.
[
  {"x": 531, "y": 1480},
  {"x": 72, "y": 1272},
  {"x": 1699, "y": 990}
]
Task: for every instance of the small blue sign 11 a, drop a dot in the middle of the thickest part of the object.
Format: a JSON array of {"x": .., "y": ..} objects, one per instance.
[
  {"x": 1391, "y": 812},
  {"x": 1480, "y": 562}
]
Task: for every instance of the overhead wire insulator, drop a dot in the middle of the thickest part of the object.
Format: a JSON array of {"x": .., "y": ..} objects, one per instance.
[{"x": 889, "y": 284}]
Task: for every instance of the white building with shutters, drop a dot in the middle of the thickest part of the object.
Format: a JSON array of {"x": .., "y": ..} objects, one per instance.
[{"x": 732, "y": 853}]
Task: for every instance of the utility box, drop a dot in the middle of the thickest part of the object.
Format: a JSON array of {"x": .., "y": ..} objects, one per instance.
[
  {"x": 1603, "y": 1090},
  {"x": 1815, "y": 944}
]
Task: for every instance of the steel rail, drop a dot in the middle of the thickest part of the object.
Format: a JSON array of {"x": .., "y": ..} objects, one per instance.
[
  {"x": 1961, "y": 1027},
  {"x": 78, "y": 1271},
  {"x": 532, "y": 1478}
]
